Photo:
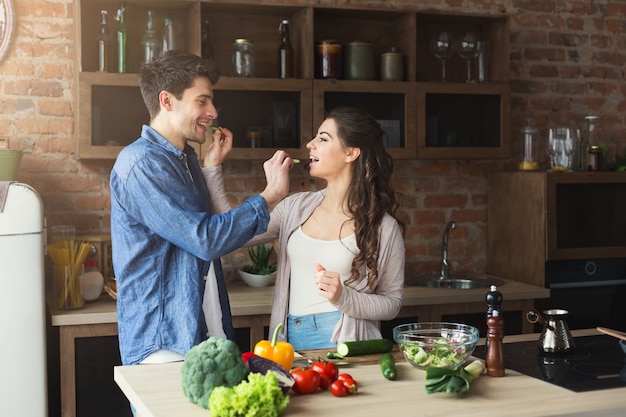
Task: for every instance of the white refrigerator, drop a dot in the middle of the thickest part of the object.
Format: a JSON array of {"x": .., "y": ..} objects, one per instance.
[{"x": 23, "y": 380}]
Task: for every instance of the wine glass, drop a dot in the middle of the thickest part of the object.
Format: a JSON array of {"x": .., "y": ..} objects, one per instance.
[
  {"x": 442, "y": 46},
  {"x": 570, "y": 148},
  {"x": 468, "y": 48},
  {"x": 561, "y": 148}
]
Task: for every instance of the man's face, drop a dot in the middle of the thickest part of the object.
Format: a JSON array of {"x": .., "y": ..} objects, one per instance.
[{"x": 194, "y": 112}]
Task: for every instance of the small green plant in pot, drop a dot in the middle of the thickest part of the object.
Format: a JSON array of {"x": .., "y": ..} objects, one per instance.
[
  {"x": 260, "y": 256},
  {"x": 260, "y": 273}
]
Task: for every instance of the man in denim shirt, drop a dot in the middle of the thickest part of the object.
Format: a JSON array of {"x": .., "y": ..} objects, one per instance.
[{"x": 166, "y": 238}]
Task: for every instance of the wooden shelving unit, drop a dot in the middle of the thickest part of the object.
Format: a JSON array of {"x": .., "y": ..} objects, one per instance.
[{"x": 426, "y": 119}]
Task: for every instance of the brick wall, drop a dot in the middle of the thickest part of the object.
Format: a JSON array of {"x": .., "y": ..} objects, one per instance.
[{"x": 567, "y": 61}]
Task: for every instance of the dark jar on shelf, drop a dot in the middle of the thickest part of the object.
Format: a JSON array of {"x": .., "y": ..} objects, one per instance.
[{"x": 328, "y": 59}]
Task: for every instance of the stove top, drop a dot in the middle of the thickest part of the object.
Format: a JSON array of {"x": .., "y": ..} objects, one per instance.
[{"x": 596, "y": 363}]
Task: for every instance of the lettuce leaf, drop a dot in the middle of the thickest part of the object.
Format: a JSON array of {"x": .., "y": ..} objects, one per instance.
[{"x": 260, "y": 395}]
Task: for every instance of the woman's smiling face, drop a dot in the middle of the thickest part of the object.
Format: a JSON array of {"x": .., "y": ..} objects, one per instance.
[{"x": 329, "y": 157}]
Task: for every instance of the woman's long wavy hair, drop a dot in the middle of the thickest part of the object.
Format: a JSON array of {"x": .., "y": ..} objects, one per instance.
[{"x": 370, "y": 194}]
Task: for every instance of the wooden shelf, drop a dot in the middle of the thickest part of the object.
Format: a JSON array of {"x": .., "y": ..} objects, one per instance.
[
  {"x": 463, "y": 121},
  {"x": 111, "y": 110}
]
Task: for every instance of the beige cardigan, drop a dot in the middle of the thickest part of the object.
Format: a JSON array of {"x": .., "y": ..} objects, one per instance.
[{"x": 361, "y": 308}]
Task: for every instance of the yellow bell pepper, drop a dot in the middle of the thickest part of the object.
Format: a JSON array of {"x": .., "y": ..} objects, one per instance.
[{"x": 279, "y": 352}]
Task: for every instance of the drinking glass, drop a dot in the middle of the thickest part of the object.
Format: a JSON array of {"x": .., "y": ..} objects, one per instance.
[
  {"x": 468, "y": 48},
  {"x": 442, "y": 46},
  {"x": 561, "y": 148}
]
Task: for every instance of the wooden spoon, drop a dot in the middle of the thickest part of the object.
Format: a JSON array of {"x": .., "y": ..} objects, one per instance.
[{"x": 611, "y": 332}]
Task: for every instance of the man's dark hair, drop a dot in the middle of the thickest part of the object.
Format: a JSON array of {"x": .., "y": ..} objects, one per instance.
[{"x": 172, "y": 71}]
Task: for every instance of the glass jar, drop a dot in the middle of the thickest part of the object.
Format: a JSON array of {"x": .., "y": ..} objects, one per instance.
[
  {"x": 243, "y": 58},
  {"x": 67, "y": 255},
  {"x": 328, "y": 59},
  {"x": 530, "y": 148}
]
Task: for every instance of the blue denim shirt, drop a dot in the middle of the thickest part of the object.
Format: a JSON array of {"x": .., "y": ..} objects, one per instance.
[{"x": 164, "y": 237}]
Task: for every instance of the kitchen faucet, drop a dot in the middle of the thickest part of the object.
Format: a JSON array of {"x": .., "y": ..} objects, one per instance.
[{"x": 445, "y": 267}]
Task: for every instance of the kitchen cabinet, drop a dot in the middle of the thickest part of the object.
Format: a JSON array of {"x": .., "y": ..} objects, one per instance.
[
  {"x": 423, "y": 118},
  {"x": 536, "y": 217}
]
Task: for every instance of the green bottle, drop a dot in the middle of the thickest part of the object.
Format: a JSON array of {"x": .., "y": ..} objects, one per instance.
[{"x": 121, "y": 39}]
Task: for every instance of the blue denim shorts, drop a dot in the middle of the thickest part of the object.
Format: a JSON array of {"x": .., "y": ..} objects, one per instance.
[{"x": 312, "y": 331}]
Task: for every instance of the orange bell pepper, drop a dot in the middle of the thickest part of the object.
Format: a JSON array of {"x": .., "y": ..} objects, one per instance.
[{"x": 279, "y": 352}]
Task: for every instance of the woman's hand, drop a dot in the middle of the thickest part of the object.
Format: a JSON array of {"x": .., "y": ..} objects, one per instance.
[
  {"x": 328, "y": 284},
  {"x": 218, "y": 149}
]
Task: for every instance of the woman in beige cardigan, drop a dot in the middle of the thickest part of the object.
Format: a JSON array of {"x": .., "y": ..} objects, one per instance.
[{"x": 341, "y": 250}]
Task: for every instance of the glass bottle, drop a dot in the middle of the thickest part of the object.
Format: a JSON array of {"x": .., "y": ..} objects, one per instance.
[
  {"x": 104, "y": 43},
  {"x": 530, "y": 147},
  {"x": 149, "y": 41},
  {"x": 169, "y": 35},
  {"x": 207, "y": 47},
  {"x": 243, "y": 58},
  {"x": 285, "y": 52},
  {"x": 121, "y": 39},
  {"x": 592, "y": 150}
]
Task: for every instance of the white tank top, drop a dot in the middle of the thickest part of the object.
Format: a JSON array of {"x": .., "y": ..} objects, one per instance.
[{"x": 304, "y": 252}]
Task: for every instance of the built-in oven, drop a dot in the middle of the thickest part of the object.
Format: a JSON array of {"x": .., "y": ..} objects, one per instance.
[{"x": 593, "y": 291}]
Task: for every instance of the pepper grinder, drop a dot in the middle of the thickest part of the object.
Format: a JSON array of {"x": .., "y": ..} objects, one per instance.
[
  {"x": 495, "y": 356},
  {"x": 494, "y": 303},
  {"x": 494, "y": 300}
]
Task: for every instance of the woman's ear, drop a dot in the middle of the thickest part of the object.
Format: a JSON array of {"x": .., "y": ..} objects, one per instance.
[{"x": 352, "y": 154}]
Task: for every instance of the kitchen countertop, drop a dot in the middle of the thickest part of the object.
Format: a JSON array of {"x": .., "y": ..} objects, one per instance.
[
  {"x": 155, "y": 391},
  {"x": 249, "y": 301},
  {"x": 251, "y": 308}
]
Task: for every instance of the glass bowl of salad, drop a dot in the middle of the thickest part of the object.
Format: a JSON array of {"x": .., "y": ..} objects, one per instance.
[{"x": 436, "y": 344}]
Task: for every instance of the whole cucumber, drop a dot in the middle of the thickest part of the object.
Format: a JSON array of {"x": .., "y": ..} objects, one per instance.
[
  {"x": 364, "y": 347},
  {"x": 388, "y": 366}
]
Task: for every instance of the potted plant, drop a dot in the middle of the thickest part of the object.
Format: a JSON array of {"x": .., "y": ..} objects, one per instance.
[{"x": 260, "y": 272}]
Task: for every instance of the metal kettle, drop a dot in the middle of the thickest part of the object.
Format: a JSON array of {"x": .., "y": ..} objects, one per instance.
[{"x": 555, "y": 336}]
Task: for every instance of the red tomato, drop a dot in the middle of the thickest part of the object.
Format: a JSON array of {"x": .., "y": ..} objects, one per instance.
[
  {"x": 306, "y": 381},
  {"x": 327, "y": 369},
  {"x": 349, "y": 382},
  {"x": 246, "y": 356},
  {"x": 324, "y": 381},
  {"x": 338, "y": 389}
]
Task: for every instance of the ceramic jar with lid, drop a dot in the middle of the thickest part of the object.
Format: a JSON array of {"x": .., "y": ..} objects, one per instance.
[
  {"x": 359, "y": 61},
  {"x": 391, "y": 65}
]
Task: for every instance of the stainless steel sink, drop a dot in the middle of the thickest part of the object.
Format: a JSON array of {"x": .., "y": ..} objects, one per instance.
[{"x": 461, "y": 282}]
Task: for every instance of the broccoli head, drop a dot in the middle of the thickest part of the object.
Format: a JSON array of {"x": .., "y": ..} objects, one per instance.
[{"x": 212, "y": 363}]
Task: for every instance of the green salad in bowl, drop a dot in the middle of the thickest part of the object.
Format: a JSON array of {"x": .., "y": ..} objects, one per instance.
[{"x": 436, "y": 344}]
